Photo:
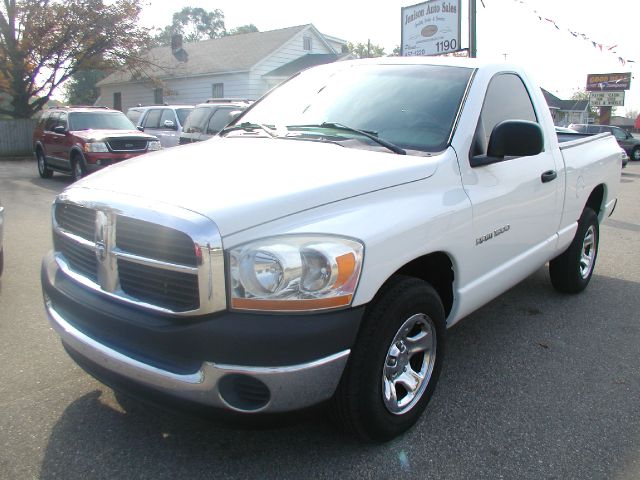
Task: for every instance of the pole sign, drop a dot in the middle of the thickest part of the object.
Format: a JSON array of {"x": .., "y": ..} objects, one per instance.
[
  {"x": 606, "y": 99},
  {"x": 431, "y": 28},
  {"x": 608, "y": 82}
]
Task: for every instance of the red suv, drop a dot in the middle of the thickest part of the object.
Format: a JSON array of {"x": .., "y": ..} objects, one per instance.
[{"x": 80, "y": 140}]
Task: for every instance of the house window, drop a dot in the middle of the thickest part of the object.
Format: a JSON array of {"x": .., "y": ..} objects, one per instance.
[
  {"x": 217, "y": 90},
  {"x": 306, "y": 43},
  {"x": 117, "y": 101},
  {"x": 158, "y": 96}
]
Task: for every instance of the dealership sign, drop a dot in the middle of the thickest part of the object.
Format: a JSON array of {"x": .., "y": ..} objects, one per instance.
[
  {"x": 608, "y": 82},
  {"x": 431, "y": 28},
  {"x": 606, "y": 99}
]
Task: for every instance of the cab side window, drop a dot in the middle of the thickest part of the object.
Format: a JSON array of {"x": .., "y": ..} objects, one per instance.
[
  {"x": 496, "y": 109},
  {"x": 619, "y": 134},
  {"x": 62, "y": 120},
  {"x": 167, "y": 114},
  {"x": 51, "y": 121},
  {"x": 152, "y": 120}
]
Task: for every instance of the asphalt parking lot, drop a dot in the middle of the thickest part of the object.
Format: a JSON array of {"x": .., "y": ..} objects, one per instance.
[{"x": 535, "y": 385}]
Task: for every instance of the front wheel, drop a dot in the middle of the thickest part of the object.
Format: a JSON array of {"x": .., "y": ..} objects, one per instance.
[
  {"x": 78, "y": 170},
  {"x": 572, "y": 271},
  {"x": 635, "y": 154},
  {"x": 43, "y": 169},
  {"x": 395, "y": 364}
]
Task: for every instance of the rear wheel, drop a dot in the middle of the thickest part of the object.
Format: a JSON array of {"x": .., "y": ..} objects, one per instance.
[
  {"x": 78, "y": 169},
  {"x": 395, "y": 364},
  {"x": 572, "y": 271},
  {"x": 43, "y": 169}
]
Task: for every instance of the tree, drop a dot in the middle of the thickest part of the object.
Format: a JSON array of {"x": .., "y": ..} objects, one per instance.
[
  {"x": 194, "y": 24},
  {"x": 44, "y": 42},
  {"x": 365, "y": 50},
  {"x": 81, "y": 88},
  {"x": 243, "y": 29}
]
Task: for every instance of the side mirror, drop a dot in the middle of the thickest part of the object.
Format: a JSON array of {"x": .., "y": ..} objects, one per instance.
[
  {"x": 140, "y": 127},
  {"x": 169, "y": 124},
  {"x": 59, "y": 129},
  {"x": 511, "y": 138}
]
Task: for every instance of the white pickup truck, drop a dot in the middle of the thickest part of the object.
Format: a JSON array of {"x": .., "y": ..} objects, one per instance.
[{"x": 318, "y": 248}]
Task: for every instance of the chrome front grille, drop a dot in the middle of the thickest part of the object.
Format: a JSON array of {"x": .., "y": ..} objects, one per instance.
[
  {"x": 155, "y": 241},
  {"x": 78, "y": 220},
  {"x": 172, "y": 290},
  {"x": 133, "y": 255},
  {"x": 126, "y": 145},
  {"x": 79, "y": 257}
]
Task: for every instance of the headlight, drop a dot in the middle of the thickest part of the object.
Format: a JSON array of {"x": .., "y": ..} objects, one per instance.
[
  {"x": 294, "y": 273},
  {"x": 95, "y": 147},
  {"x": 153, "y": 145}
]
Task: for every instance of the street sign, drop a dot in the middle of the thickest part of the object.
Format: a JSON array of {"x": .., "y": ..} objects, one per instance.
[
  {"x": 606, "y": 99},
  {"x": 431, "y": 28},
  {"x": 608, "y": 82}
]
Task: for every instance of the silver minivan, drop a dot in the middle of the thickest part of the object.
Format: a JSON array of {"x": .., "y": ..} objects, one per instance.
[{"x": 165, "y": 122}]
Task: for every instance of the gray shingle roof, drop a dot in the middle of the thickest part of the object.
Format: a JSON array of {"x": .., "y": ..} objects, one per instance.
[
  {"x": 235, "y": 53},
  {"x": 564, "y": 105},
  {"x": 302, "y": 63}
]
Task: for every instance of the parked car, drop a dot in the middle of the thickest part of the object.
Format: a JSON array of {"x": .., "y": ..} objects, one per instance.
[
  {"x": 165, "y": 122},
  {"x": 209, "y": 118},
  {"x": 565, "y": 134},
  {"x": 625, "y": 157},
  {"x": 565, "y": 130},
  {"x": 134, "y": 113},
  {"x": 81, "y": 140},
  {"x": 326, "y": 254},
  {"x": 1, "y": 237},
  {"x": 628, "y": 142}
]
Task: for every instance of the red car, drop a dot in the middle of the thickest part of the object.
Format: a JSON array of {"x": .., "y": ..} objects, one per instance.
[{"x": 81, "y": 140}]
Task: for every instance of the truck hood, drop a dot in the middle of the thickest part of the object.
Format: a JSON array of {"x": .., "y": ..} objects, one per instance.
[
  {"x": 98, "y": 135},
  {"x": 242, "y": 182}
]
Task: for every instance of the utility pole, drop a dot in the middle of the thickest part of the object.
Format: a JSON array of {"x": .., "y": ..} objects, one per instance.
[{"x": 472, "y": 29}]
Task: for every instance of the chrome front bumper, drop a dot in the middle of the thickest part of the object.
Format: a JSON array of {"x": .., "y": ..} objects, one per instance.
[{"x": 290, "y": 387}]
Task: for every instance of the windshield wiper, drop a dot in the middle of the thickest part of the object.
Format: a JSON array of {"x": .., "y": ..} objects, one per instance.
[
  {"x": 248, "y": 127},
  {"x": 365, "y": 133}
]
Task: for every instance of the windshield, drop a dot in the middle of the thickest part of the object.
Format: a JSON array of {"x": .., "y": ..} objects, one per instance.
[
  {"x": 194, "y": 122},
  {"x": 411, "y": 106},
  {"x": 183, "y": 113},
  {"x": 99, "y": 121}
]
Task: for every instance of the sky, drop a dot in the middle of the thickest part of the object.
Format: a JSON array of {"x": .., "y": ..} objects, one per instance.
[{"x": 508, "y": 30}]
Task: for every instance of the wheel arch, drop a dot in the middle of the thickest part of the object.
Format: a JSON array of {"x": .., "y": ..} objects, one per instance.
[
  {"x": 38, "y": 146},
  {"x": 76, "y": 151},
  {"x": 596, "y": 200},
  {"x": 437, "y": 269}
]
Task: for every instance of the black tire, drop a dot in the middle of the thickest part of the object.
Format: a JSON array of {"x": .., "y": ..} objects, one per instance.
[
  {"x": 359, "y": 405},
  {"x": 572, "y": 271},
  {"x": 635, "y": 154},
  {"x": 78, "y": 170},
  {"x": 43, "y": 169}
]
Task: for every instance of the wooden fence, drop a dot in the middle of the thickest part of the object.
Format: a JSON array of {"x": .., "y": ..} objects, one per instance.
[{"x": 15, "y": 137}]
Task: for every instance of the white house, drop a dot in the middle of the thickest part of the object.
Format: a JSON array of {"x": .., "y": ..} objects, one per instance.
[{"x": 238, "y": 66}]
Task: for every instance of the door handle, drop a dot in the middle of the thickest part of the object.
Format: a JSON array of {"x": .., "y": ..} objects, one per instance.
[{"x": 548, "y": 176}]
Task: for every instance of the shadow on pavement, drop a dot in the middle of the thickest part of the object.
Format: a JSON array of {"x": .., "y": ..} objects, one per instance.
[{"x": 530, "y": 389}]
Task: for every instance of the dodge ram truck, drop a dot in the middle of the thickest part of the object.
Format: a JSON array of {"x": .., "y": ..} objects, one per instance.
[{"x": 316, "y": 251}]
